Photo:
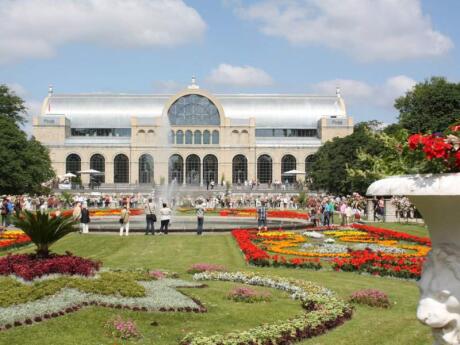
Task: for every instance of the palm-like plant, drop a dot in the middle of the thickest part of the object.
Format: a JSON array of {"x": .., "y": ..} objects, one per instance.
[{"x": 44, "y": 230}]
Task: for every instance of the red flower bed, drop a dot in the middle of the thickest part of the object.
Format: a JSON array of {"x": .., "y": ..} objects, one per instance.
[
  {"x": 393, "y": 235},
  {"x": 28, "y": 266},
  {"x": 380, "y": 264},
  {"x": 256, "y": 256},
  {"x": 104, "y": 212},
  {"x": 251, "y": 212}
]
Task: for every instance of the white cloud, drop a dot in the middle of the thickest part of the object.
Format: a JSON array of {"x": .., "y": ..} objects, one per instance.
[
  {"x": 365, "y": 29},
  {"x": 240, "y": 76},
  {"x": 356, "y": 92},
  {"x": 31, "y": 28}
]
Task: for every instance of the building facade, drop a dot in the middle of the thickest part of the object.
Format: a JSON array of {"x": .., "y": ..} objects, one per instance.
[{"x": 192, "y": 137}]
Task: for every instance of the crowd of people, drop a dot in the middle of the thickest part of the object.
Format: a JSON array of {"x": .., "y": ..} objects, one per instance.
[{"x": 321, "y": 208}]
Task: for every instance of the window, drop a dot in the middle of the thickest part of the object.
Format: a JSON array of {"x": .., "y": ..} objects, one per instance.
[
  {"x": 275, "y": 132},
  {"x": 210, "y": 169},
  {"x": 145, "y": 169},
  {"x": 206, "y": 137},
  {"x": 239, "y": 169},
  {"x": 121, "y": 169},
  {"x": 193, "y": 110},
  {"x": 308, "y": 163},
  {"x": 264, "y": 169},
  {"x": 100, "y": 132},
  {"x": 171, "y": 137},
  {"x": 73, "y": 164},
  {"x": 288, "y": 163},
  {"x": 193, "y": 170},
  {"x": 97, "y": 162},
  {"x": 176, "y": 169},
  {"x": 197, "y": 139},
  {"x": 188, "y": 137},
  {"x": 215, "y": 137},
  {"x": 179, "y": 137}
]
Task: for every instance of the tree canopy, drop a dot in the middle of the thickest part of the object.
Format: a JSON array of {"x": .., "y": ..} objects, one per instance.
[
  {"x": 24, "y": 163},
  {"x": 11, "y": 106},
  {"x": 430, "y": 107}
]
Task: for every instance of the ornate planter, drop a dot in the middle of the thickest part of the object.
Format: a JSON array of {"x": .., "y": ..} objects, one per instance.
[{"x": 437, "y": 197}]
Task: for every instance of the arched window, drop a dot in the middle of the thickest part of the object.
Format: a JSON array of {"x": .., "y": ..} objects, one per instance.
[
  {"x": 308, "y": 163},
  {"x": 192, "y": 170},
  {"x": 188, "y": 137},
  {"x": 197, "y": 139},
  {"x": 97, "y": 162},
  {"x": 179, "y": 137},
  {"x": 215, "y": 137},
  {"x": 288, "y": 162},
  {"x": 121, "y": 169},
  {"x": 210, "y": 169},
  {"x": 171, "y": 137},
  {"x": 146, "y": 169},
  {"x": 239, "y": 169},
  {"x": 193, "y": 110},
  {"x": 264, "y": 169},
  {"x": 176, "y": 169},
  {"x": 73, "y": 164},
  {"x": 206, "y": 137}
]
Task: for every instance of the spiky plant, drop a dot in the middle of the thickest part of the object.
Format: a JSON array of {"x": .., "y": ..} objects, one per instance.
[{"x": 44, "y": 230}]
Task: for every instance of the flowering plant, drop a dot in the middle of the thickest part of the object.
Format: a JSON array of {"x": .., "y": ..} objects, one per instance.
[
  {"x": 248, "y": 295},
  {"x": 204, "y": 267},
  {"x": 370, "y": 297},
  {"x": 442, "y": 147},
  {"x": 122, "y": 329}
]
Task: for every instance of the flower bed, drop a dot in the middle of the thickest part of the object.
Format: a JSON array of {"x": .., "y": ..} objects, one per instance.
[
  {"x": 12, "y": 239},
  {"x": 251, "y": 212},
  {"x": 361, "y": 248},
  {"x": 28, "y": 266},
  {"x": 103, "y": 212},
  {"x": 370, "y": 297},
  {"x": 248, "y": 295},
  {"x": 203, "y": 267},
  {"x": 45, "y": 299},
  {"x": 323, "y": 312}
]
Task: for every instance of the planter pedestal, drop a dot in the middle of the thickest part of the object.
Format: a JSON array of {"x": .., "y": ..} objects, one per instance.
[{"x": 437, "y": 197}]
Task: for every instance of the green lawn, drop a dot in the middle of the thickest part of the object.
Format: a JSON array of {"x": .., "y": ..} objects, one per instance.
[{"x": 368, "y": 326}]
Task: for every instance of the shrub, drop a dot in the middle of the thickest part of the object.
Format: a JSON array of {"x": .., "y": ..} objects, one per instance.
[
  {"x": 122, "y": 329},
  {"x": 204, "y": 267},
  {"x": 248, "y": 295},
  {"x": 370, "y": 297}
]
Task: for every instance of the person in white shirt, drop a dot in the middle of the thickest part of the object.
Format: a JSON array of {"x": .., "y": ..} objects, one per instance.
[
  {"x": 165, "y": 218},
  {"x": 200, "y": 216}
]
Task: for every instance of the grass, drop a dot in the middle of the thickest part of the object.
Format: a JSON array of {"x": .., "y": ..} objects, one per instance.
[{"x": 369, "y": 326}]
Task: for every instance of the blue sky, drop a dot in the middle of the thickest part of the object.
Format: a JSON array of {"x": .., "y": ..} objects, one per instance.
[{"x": 375, "y": 50}]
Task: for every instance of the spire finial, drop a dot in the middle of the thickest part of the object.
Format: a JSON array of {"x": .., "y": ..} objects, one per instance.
[
  {"x": 194, "y": 84},
  {"x": 337, "y": 91},
  {"x": 50, "y": 89}
]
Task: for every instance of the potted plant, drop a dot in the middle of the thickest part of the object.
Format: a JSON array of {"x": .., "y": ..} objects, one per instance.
[{"x": 437, "y": 197}]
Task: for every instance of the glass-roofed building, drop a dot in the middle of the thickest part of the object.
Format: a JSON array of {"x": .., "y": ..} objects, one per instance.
[{"x": 192, "y": 137}]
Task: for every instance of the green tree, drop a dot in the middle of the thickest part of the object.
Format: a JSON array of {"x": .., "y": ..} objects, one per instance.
[
  {"x": 24, "y": 163},
  {"x": 11, "y": 106},
  {"x": 430, "y": 106},
  {"x": 329, "y": 169},
  {"x": 44, "y": 230}
]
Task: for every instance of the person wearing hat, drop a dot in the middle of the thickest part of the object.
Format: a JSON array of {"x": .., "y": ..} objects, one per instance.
[{"x": 200, "y": 216}]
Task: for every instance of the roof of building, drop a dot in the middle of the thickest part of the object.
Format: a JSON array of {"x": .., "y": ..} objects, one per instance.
[{"x": 269, "y": 110}]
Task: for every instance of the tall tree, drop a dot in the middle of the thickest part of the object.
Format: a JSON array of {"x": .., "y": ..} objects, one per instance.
[
  {"x": 11, "y": 106},
  {"x": 430, "y": 106},
  {"x": 24, "y": 163}
]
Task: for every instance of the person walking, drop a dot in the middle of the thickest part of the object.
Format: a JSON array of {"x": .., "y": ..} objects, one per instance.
[
  {"x": 150, "y": 217},
  {"x": 85, "y": 219},
  {"x": 165, "y": 217},
  {"x": 124, "y": 220},
  {"x": 262, "y": 216},
  {"x": 199, "y": 216}
]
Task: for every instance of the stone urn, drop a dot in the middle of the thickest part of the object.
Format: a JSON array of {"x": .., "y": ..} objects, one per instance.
[{"x": 437, "y": 197}]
